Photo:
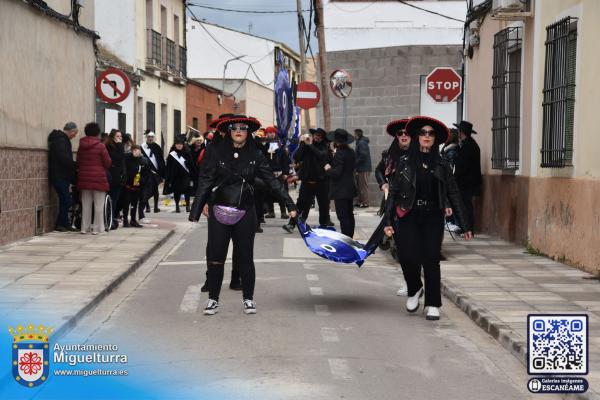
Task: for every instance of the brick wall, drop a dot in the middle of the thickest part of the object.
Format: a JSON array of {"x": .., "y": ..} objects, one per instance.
[
  {"x": 385, "y": 86},
  {"x": 202, "y": 100},
  {"x": 23, "y": 186}
]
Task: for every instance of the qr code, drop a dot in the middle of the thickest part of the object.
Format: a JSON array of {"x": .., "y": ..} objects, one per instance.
[{"x": 557, "y": 344}]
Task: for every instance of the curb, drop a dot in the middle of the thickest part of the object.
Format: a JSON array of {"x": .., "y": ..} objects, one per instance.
[
  {"x": 72, "y": 321},
  {"x": 498, "y": 330}
]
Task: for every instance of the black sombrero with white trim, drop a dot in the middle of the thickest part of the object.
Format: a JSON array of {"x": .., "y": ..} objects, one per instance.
[
  {"x": 414, "y": 125},
  {"x": 225, "y": 123},
  {"x": 393, "y": 127}
]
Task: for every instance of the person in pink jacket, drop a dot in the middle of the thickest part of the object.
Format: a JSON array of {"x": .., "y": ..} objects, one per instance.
[{"x": 93, "y": 161}]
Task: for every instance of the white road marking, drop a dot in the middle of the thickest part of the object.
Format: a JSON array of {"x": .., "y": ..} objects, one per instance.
[
  {"x": 309, "y": 267},
  {"x": 329, "y": 335},
  {"x": 322, "y": 310},
  {"x": 339, "y": 368},
  {"x": 312, "y": 277},
  {"x": 316, "y": 291},
  {"x": 228, "y": 261},
  {"x": 175, "y": 248},
  {"x": 191, "y": 299}
]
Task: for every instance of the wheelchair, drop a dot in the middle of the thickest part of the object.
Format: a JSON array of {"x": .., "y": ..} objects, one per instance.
[{"x": 75, "y": 211}]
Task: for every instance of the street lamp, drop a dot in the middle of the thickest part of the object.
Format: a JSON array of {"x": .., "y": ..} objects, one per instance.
[{"x": 225, "y": 69}]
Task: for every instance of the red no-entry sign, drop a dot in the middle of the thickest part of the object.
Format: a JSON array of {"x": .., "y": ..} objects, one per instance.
[
  {"x": 113, "y": 86},
  {"x": 444, "y": 84},
  {"x": 307, "y": 95}
]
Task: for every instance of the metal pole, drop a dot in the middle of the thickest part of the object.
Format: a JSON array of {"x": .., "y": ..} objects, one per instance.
[
  {"x": 301, "y": 34},
  {"x": 344, "y": 112},
  {"x": 323, "y": 66}
]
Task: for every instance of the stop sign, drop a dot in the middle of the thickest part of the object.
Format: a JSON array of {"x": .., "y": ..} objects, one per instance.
[
  {"x": 444, "y": 85},
  {"x": 307, "y": 95}
]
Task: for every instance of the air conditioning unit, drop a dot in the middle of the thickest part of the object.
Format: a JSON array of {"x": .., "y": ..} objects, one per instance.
[{"x": 511, "y": 10}]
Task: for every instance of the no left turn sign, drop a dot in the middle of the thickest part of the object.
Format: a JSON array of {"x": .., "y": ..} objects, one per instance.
[{"x": 113, "y": 85}]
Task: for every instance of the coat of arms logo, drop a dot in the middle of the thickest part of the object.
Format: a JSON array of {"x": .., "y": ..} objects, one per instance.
[{"x": 30, "y": 354}]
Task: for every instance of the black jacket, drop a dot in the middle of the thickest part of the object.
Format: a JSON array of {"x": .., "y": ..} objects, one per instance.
[
  {"x": 133, "y": 165},
  {"x": 403, "y": 189},
  {"x": 468, "y": 165},
  {"x": 363, "y": 155},
  {"x": 229, "y": 181},
  {"x": 60, "y": 157},
  {"x": 341, "y": 184},
  {"x": 160, "y": 161},
  {"x": 311, "y": 159},
  {"x": 117, "y": 173},
  {"x": 177, "y": 177}
]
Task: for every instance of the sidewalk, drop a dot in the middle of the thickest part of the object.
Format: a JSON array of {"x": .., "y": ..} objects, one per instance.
[
  {"x": 497, "y": 284},
  {"x": 56, "y": 278}
]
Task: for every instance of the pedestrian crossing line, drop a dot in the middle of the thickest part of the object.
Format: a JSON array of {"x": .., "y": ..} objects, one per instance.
[
  {"x": 316, "y": 291},
  {"x": 191, "y": 299},
  {"x": 322, "y": 310},
  {"x": 329, "y": 335},
  {"x": 339, "y": 368},
  {"x": 312, "y": 277}
]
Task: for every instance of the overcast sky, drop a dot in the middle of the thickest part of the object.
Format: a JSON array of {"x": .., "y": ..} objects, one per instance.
[{"x": 279, "y": 27}]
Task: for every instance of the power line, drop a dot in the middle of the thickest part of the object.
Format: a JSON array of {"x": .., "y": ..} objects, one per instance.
[
  {"x": 230, "y": 52},
  {"x": 243, "y": 11},
  {"x": 430, "y": 11}
]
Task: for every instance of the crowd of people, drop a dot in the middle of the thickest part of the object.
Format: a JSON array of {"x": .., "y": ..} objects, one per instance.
[{"x": 237, "y": 171}]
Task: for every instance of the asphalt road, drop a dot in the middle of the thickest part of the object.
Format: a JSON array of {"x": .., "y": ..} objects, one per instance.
[{"x": 322, "y": 331}]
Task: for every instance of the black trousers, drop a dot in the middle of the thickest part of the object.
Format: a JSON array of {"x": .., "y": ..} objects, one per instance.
[
  {"x": 467, "y": 197},
  {"x": 155, "y": 194},
  {"x": 418, "y": 236},
  {"x": 308, "y": 191},
  {"x": 242, "y": 236},
  {"x": 177, "y": 198},
  {"x": 344, "y": 212},
  {"x": 130, "y": 202}
]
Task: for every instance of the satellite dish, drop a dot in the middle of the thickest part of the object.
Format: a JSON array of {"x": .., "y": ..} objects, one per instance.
[{"x": 340, "y": 82}]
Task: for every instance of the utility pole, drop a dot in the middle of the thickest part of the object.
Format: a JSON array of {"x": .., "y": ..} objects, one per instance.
[
  {"x": 323, "y": 65},
  {"x": 302, "y": 57}
]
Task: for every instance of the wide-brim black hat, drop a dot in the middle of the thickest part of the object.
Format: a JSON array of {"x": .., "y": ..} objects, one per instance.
[
  {"x": 466, "y": 127},
  {"x": 225, "y": 123},
  {"x": 320, "y": 131},
  {"x": 414, "y": 125},
  {"x": 395, "y": 126},
  {"x": 340, "y": 136}
]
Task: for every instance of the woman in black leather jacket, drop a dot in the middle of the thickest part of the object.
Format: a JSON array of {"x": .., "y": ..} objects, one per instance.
[
  {"x": 422, "y": 190},
  {"x": 225, "y": 194}
]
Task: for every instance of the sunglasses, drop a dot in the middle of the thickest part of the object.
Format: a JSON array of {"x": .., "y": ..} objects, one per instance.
[
  {"x": 425, "y": 132},
  {"x": 402, "y": 133},
  {"x": 238, "y": 127}
]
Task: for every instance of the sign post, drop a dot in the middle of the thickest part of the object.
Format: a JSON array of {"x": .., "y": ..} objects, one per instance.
[
  {"x": 444, "y": 85},
  {"x": 113, "y": 85}
]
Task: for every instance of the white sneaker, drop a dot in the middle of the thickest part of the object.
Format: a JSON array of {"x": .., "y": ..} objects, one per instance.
[
  {"x": 212, "y": 307},
  {"x": 433, "y": 313},
  {"x": 412, "y": 303},
  {"x": 144, "y": 221},
  {"x": 249, "y": 306},
  {"x": 402, "y": 291}
]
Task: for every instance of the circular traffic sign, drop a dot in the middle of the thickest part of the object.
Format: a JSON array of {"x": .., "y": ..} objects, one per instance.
[
  {"x": 444, "y": 84},
  {"x": 307, "y": 95},
  {"x": 113, "y": 85}
]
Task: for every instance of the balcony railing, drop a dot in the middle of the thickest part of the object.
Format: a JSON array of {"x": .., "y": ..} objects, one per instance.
[
  {"x": 169, "y": 61},
  {"x": 153, "y": 48},
  {"x": 182, "y": 67}
]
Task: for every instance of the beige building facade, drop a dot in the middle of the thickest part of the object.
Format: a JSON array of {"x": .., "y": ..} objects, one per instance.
[
  {"x": 45, "y": 83},
  {"x": 529, "y": 91}
]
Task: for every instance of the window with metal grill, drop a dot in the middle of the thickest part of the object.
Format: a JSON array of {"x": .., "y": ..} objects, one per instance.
[
  {"x": 559, "y": 94},
  {"x": 506, "y": 92}
]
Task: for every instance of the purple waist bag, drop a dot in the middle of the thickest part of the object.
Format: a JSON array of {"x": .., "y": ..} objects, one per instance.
[{"x": 228, "y": 215}]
